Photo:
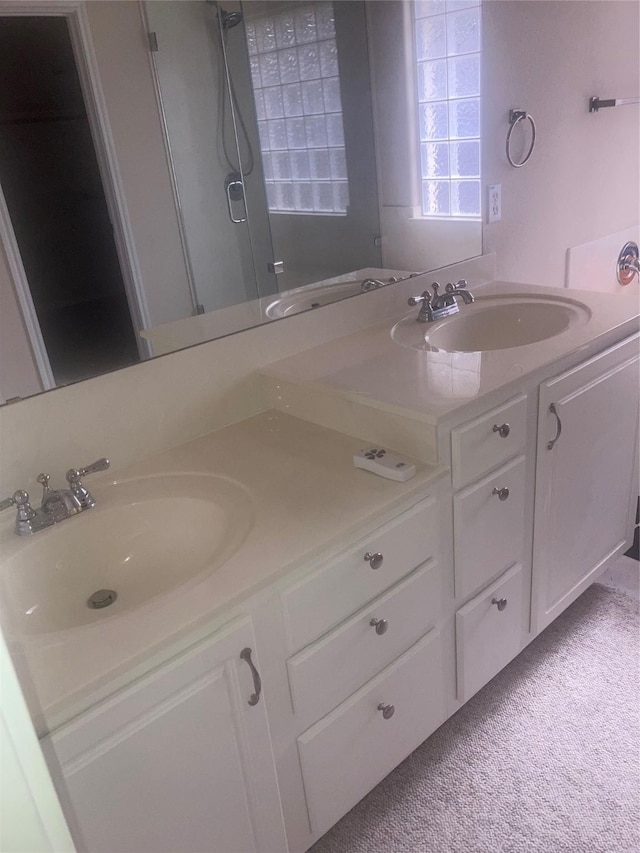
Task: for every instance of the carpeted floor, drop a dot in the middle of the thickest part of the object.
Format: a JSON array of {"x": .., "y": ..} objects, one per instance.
[{"x": 543, "y": 760}]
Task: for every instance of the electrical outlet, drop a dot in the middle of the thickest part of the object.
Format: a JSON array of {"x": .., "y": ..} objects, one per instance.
[{"x": 494, "y": 207}]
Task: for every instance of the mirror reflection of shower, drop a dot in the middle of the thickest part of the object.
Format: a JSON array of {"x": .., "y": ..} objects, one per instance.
[
  {"x": 269, "y": 121},
  {"x": 231, "y": 122},
  {"x": 201, "y": 84}
]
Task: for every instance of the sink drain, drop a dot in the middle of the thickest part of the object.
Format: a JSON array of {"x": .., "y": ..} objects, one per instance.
[{"x": 101, "y": 598}]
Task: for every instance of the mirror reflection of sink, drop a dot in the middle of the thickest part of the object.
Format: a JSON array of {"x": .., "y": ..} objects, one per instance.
[
  {"x": 493, "y": 323},
  {"x": 304, "y": 298},
  {"x": 145, "y": 538}
]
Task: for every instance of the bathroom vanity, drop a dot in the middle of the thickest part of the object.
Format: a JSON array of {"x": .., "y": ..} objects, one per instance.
[{"x": 249, "y": 708}]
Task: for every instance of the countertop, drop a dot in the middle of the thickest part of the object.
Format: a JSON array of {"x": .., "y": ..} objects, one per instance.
[
  {"x": 369, "y": 367},
  {"x": 307, "y": 502}
]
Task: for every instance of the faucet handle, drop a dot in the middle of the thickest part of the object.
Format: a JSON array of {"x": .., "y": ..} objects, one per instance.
[
  {"x": 459, "y": 285},
  {"x": 99, "y": 465},
  {"x": 20, "y": 500},
  {"x": 82, "y": 496},
  {"x": 419, "y": 300}
]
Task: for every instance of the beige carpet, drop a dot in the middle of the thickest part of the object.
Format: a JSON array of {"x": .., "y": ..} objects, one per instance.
[{"x": 545, "y": 759}]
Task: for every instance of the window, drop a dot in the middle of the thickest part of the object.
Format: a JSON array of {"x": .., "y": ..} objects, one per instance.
[
  {"x": 294, "y": 69},
  {"x": 447, "y": 34}
]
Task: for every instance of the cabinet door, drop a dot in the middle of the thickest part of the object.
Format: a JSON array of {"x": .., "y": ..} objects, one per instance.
[
  {"x": 178, "y": 762},
  {"x": 586, "y": 478}
]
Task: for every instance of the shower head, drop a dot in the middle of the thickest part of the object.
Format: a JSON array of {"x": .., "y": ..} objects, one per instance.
[{"x": 229, "y": 19}]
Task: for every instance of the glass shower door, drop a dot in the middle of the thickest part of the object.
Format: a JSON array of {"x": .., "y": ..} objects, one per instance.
[{"x": 213, "y": 149}]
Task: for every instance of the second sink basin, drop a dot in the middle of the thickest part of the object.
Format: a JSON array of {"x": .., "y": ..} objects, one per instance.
[
  {"x": 493, "y": 323},
  {"x": 145, "y": 537},
  {"x": 304, "y": 298}
]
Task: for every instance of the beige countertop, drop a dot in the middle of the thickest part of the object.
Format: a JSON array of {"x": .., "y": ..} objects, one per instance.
[
  {"x": 369, "y": 367},
  {"x": 307, "y": 501}
]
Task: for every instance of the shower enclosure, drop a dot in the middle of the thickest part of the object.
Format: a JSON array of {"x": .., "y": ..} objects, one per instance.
[{"x": 267, "y": 119}]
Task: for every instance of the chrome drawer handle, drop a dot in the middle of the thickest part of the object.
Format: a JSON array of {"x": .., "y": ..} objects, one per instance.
[
  {"x": 502, "y": 493},
  {"x": 374, "y": 560},
  {"x": 245, "y": 654},
  {"x": 500, "y": 603},
  {"x": 380, "y": 625},
  {"x": 554, "y": 412},
  {"x": 503, "y": 430},
  {"x": 387, "y": 710}
]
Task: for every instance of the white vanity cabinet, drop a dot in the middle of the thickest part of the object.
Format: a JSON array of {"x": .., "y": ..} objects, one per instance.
[
  {"x": 586, "y": 477},
  {"x": 489, "y": 462},
  {"x": 180, "y": 761},
  {"x": 367, "y": 672}
]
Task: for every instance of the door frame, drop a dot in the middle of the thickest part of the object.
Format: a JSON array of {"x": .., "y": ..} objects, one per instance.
[
  {"x": 25, "y": 300},
  {"x": 86, "y": 63}
]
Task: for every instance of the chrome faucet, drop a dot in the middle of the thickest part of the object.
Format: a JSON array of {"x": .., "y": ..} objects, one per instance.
[
  {"x": 376, "y": 283},
  {"x": 440, "y": 305},
  {"x": 56, "y": 504}
]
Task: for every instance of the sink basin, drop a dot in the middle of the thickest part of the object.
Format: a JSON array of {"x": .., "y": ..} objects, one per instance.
[
  {"x": 145, "y": 538},
  {"x": 494, "y": 323},
  {"x": 304, "y": 298}
]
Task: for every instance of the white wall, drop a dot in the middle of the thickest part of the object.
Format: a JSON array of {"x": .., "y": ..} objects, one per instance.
[{"x": 583, "y": 179}]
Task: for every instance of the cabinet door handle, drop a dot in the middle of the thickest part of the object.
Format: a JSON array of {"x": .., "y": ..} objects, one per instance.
[
  {"x": 502, "y": 429},
  {"x": 500, "y": 603},
  {"x": 387, "y": 710},
  {"x": 380, "y": 625},
  {"x": 554, "y": 412},
  {"x": 374, "y": 560},
  {"x": 245, "y": 654},
  {"x": 502, "y": 493}
]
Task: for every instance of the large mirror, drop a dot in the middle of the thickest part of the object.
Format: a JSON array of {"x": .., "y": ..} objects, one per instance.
[{"x": 177, "y": 170}]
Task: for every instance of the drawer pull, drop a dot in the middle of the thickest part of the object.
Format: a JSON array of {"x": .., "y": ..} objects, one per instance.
[
  {"x": 380, "y": 625},
  {"x": 502, "y": 493},
  {"x": 374, "y": 560},
  {"x": 500, "y": 603},
  {"x": 245, "y": 654},
  {"x": 554, "y": 412},
  {"x": 387, "y": 710},
  {"x": 503, "y": 430}
]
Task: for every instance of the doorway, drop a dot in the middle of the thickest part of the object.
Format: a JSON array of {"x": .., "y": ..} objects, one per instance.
[{"x": 52, "y": 186}]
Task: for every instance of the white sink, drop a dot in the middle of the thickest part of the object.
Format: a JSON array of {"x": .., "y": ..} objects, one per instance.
[
  {"x": 494, "y": 323},
  {"x": 304, "y": 298},
  {"x": 144, "y": 538}
]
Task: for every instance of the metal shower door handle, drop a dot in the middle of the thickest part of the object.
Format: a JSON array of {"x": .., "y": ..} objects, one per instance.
[{"x": 230, "y": 185}]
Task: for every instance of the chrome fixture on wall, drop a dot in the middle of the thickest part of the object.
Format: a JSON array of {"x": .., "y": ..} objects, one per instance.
[
  {"x": 516, "y": 116},
  {"x": 596, "y": 103},
  {"x": 628, "y": 264}
]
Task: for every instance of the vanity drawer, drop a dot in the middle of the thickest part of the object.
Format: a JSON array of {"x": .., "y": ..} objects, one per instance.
[
  {"x": 331, "y": 669},
  {"x": 488, "y": 638},
  {"x": 347, "y": 753},
  {"x": 488, "y": 530},
  {"x": 476, "y": 447},
  {"x": 323, "y": 599}
]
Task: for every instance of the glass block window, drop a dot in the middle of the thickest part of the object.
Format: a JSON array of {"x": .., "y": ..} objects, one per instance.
[
  {"x": 448, "y": 48},
  {"x": 295, "y": 75}
]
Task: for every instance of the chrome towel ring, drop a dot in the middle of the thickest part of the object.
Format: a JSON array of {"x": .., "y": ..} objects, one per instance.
[{"x": 514, "y": 117}]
